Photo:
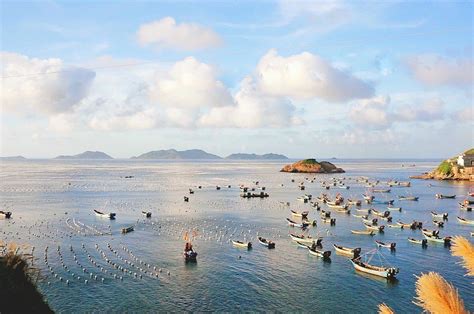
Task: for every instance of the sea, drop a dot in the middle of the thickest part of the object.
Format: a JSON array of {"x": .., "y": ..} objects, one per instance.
[{"x": 86, "y": 264}]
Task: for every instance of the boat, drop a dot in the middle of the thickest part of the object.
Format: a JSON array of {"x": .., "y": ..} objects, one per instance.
[
  {"x": 408, "y": 198},
  {"x": 361, "y": 216},
  {"x": 385, "y": 272},
  {"x": 370, "y": 222},
  {"x": 368, "y": 198},
  {"x": 430, "y": 232},
  {"x": 364, "y": 232},
  {"x": 302, "y": 214},
  {"x": 302, "y": 199},
  {"x": 189, "y": 254},
  {"x": 345, "y": 187},
  {"x": 128, "y": 229},
  {"x": 338, "y": 207},
  {"x": 381, "y": 214},
  {"x": 269, "y": 244},
  {"x": 441, "y": 196},
  {"x": 390, "y": 246},
  {"x": 325, "y": 214},
  {"x": 439, "y": 224},
  {"x": 436, "y": 238},
  {"x": 241, "y": 244},
  {"x": 403, "y": 225},
  {"x": 354, "y": 202},
  {"x": 146, "y": 214},
  {"x": 465, "y": 221},
  {"x": 308, "y": 223},
  {"x": 305, "y": 239},
  {"x": 381, "y": 190},
  {"x": 444, "y": 216},
  {"x": 5, "y": 214},
  {"x": 365, "y": 210},
  {"x": 387, "y": 219},
  {"x": 374, "y": 228},
  {"x": 389, "y": 202},
  {"x": 314, "y": 251},
  {"x": 465, "y": 207},
  {"x": 331, "y": 221},
  {"x": 423, "y": 242},
  {"x": 395, "y": 226},
  {"x": 394, "y": 209},
  {"x": 104, "y": 215},
  {"x": 352, "y": 253},
  {"x": 404, "y": 184},
  {"x": 297, "y": 224}
]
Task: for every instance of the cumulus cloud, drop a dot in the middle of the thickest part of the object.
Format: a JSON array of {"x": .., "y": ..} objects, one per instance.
[
  {"x": 41, "y": 85},
  {"x": 429, "y": 110},
  {"x": 436, "y": 70},
  {"x": 307, "y": 76},
  {"x": 371, "y": 113},
  {"x": 190, "y": 84},
  {"x": 464, "y": 115},
  {"x": 166, "y": 33}
]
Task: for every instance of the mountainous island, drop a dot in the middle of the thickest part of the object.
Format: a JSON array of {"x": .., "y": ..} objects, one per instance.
[
  {"x": 13, "y": 158},
  {"x": 312, "y": 166},
  {"x": 244, "y": 156},
  {"x": 86, "y": 155},
  {"x": 456, "y": 168},
  {"x": 175, "y": 154}
]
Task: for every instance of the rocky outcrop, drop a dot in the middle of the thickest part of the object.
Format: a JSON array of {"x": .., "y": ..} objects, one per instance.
[
  {"x": 312, "y": 166},
  {"x": 450, "y": 170}
]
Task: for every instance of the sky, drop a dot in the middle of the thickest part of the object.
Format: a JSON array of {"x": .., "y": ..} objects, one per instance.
[{"x": 346, "y": 79}]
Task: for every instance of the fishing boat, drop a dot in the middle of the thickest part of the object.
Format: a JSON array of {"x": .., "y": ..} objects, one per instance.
[
  {"x": 342, "y": 186},
  {"x": 381, "y": 190},
  {"x": 385, "y": 272},
  {"x": 430, "y": 232},
  {"x": 189, "y": 254},
  {"x": 374, "y": 228},
  {"x": 331, "y": 221},
  {"x": 338, "y": 207},
  {"x": 314, "y": 251},
  {"x": 394, "y": 209},
  {"x": 269, "y": 244},
  {"x": 465, "y": 207},
  {"x": 352, "y": 253},
  {"x": 404, "y": 184},
  {"x": 390, "y": 246},
  {"x": 302, "y": 199},
  {"x": 308, "y": 223},
  {"x": 388, "y": 202},
  {"x": 441, "y": 196},
  {"x": 325, "y": 214},
  {"x": 404, "y": 225},
  {"x": 354, "y": 202},
  {"x": 104, "y": 215},
  {"x": 297, "y": 214},
  {"x": 387, "y": 219},
  {"x": 128, "y": 229},
  {"x": 360, "y": 216},
  {"x": 408, "y": 198},
  {"x": 305, "y": 239},
  {"x": 146, "y": 214},
  {"x": 240, "y": 244},
  {"x": 363, "y": 232},
  {"x": 444, "y": 216},
  {"x": 370, "y": 222},
  {"x": 439, "y": 224},
  {"x": 438, "y": 239},
  {"x": 395, "y": 226},
  {"x": 465, "y": 221},
  {"x": 6, "y": 215},
  {"x": 292, "y": 223},
  {"x": 423, "y": 242},
  {"x": 368, "y": 198},
  {"x": 365, "y": 210},
  {"x": 381, "y": 214}
]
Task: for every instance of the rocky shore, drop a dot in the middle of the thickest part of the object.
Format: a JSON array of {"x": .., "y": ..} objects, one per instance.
[
  {"x": 312, "y": 166},
  {"x": 450, "y": 169}
]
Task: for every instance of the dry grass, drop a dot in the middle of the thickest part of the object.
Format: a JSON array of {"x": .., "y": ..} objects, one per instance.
[
  {"x": 436, "y": 295},
  {"x": 385, "y": 309},
  {"x": 461, "y": 247}
]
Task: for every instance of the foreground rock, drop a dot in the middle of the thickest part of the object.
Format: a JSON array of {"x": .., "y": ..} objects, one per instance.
[
  {"x": 456, "y": 168},
  {"x": 312, "y": 166}
]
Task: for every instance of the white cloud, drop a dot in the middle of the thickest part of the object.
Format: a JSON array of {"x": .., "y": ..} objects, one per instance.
[
  {"x": 307, "y": 76},
  {"x": 371, "y": 113},
  {"x": 190, "y": 84},
  {"x": 166, "y": 33},
  {"x": 464, "y": 115},
  {"x": 436, "y": 70},
  {"x": 41, "y": 85},
  {"x": 429, "y": 110}
]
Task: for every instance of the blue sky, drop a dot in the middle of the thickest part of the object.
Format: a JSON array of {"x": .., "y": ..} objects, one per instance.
[{"x": 303, "y": 78}]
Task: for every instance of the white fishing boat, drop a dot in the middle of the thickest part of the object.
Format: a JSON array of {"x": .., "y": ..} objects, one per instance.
[
  {"x": 146, "y": 214},
  {"x": 363, "y": 232},
  {"x": 104, "y": 215},
  {"x": 394, "y": 209},
  {"x": 408, "y": 198},
  {"x": 128, "y": 229},
  {"x": 381, "y": 190},
  {"x": 268, "y": 243},
  {"x": 338, "y": 207},
  {"x": 385, "y": 272},
  {"x": 390, "y": 246},
  {"x": 350, "y": 252},
  {"x": 297, "y": 214},
  {"x": 360, "y": 216},
  {"x": 423, "y": 242},
  {"x": 438, "y": 239},
  {"x": 374, "y": 228},
  {"x": 465, "y": 221},
  {"x": 5, "y": 214},
  {"x": 304, "y": 239},
  {"x": 240, "y": 244},
  {"x": 437, "y": 215},
  {"x": 364, "y": 210},
  {"x": 314, "y": 251},
  {"x": 395, "y": 226}
]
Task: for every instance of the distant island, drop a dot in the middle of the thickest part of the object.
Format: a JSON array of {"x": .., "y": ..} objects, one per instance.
[
  {"x": 86, "y": 155},
  {"x": 13, "y": 158},
  {"x": 456, "y": 168},
  {"x": 175, "y": 154},
  {"x": 312, "y": 166},
  {"x": 244, "y": 156}
]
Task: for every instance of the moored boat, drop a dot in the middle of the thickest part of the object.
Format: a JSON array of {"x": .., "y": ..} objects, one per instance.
[
  {"x": 240, "y": 244},
  {"x": 439, "y": 224},
  {"x": 394, "y": 209},
  {"x": 390, "y": 246},
  {"x": 297, "y": 214},
  {"x": 395, "y": 226},
  {"x": 269, "y": 244},
  {"x": 423, "y": 242},
  {"x": 430, "y": 232},
  {"x": 128, "y": 229},
  {"x": 408, "y": 198},
  {"x": 314, "y": 251},
  {"x": 437, "y": 215},
  {"x": 350, "y": 252},
  {"x": 438, "y": 239},
  {"x": 381, "y": 214},
  {"x": 354, "y": 202},
  {"x": 328, "y": 220},
  {"x": 374, "y": 228},
  {"x": 385, "y": 272},
  {"x": 441, "y": 196},
  {"x": 305, "y": 239},
  {"x": 104, "y": 215},
  {"x": 465, "y": 221},
  {"x": 146, "y": 214},
  {"x": 381, "y": 190},
  {"x": 5, "y": 214},
  {"x": 189, "y": 254},
  {"x": 363, "y": 232}
]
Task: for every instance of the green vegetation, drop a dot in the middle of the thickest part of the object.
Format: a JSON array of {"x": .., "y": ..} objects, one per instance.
[
  {"x": 444, "y": 168},
  {"x": 310, "y": 161},
  {"x": 469, "y": 152},
  {"x": 18, "y": 292}
]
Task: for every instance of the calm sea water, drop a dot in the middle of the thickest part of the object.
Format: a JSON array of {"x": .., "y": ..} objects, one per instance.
[{"x": 52, "y": 203}]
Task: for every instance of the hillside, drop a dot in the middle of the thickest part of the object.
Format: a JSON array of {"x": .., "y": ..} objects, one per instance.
[
  {"x": 244, "y": 156},
  {"x": 86, "y": 155},
  {"x": 312, "y": 166},
  {"x": 175, "y": 154},
  {"x": 449, "y": 169}
]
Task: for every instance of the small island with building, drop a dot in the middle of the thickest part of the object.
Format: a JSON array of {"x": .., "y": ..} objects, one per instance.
[
  {"x": 312, "y": 166},
  {"x": 460, "y": 167}
]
